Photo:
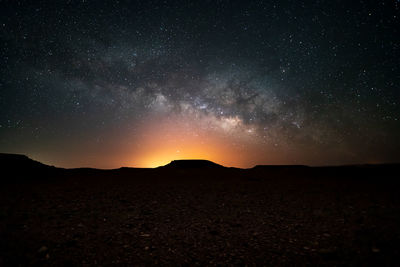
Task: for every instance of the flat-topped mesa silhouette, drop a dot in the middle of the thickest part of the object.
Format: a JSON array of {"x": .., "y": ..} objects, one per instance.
[{"x": 193, "y": 164}]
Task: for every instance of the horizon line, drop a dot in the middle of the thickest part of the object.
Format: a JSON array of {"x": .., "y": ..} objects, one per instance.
[{"x": 199, "y": 159}]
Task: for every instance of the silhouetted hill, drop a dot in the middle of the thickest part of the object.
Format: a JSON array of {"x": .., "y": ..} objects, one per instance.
[
  {"x": 193, "y": 164},
  {"x": 16, "y": 161},
  {"x": 17, "y": 167}
]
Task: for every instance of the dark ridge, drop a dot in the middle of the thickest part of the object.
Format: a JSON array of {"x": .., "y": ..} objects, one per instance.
[
  {"x": 19, "y": 168},
  {"x": 16, "y": 162},
  {"x": 192, "y": 164}
]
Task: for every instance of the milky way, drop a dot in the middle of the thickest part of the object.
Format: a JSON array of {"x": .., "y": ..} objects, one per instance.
[{"x": 285, "y": 82}]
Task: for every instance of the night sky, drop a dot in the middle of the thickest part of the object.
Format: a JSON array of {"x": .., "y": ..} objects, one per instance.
[{"x": 236, "y": 82}]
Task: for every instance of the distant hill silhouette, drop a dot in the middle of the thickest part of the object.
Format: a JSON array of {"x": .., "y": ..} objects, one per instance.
[
  {"x": 193, "y": 164},
  {"x": 22, "y": 168},
  {"x": 16, "y": 161}
]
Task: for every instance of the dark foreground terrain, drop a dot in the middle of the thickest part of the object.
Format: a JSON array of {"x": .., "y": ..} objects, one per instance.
[{"x": 199, "y": 213}]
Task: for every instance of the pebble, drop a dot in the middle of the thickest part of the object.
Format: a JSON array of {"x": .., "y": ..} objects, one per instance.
[
  {"x": 375, "y": 250},
  {"x": 42, "y": 249}
]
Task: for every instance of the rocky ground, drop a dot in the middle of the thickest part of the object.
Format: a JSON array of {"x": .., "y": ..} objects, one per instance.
[{"x": 264, "y": 216}]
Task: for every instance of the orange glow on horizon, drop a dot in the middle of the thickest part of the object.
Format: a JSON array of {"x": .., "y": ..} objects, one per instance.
[
  {"x": 160, "y": 140},
  {"x": 174, "y": 139},
  {"x": 162, "y": 151}
]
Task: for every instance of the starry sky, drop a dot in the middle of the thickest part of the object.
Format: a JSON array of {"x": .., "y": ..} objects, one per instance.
[{"x": 241, "y": 83}]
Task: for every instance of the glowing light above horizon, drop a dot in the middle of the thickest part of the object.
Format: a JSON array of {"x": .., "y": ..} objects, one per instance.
[{"x": 192, "y": 137}]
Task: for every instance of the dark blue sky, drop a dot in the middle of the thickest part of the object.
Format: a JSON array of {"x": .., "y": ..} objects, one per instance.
[{"x": 280, "y": 82}]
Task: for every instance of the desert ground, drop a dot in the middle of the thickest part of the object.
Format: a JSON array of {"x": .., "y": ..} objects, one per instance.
[{"x": 199, "y": 213}]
